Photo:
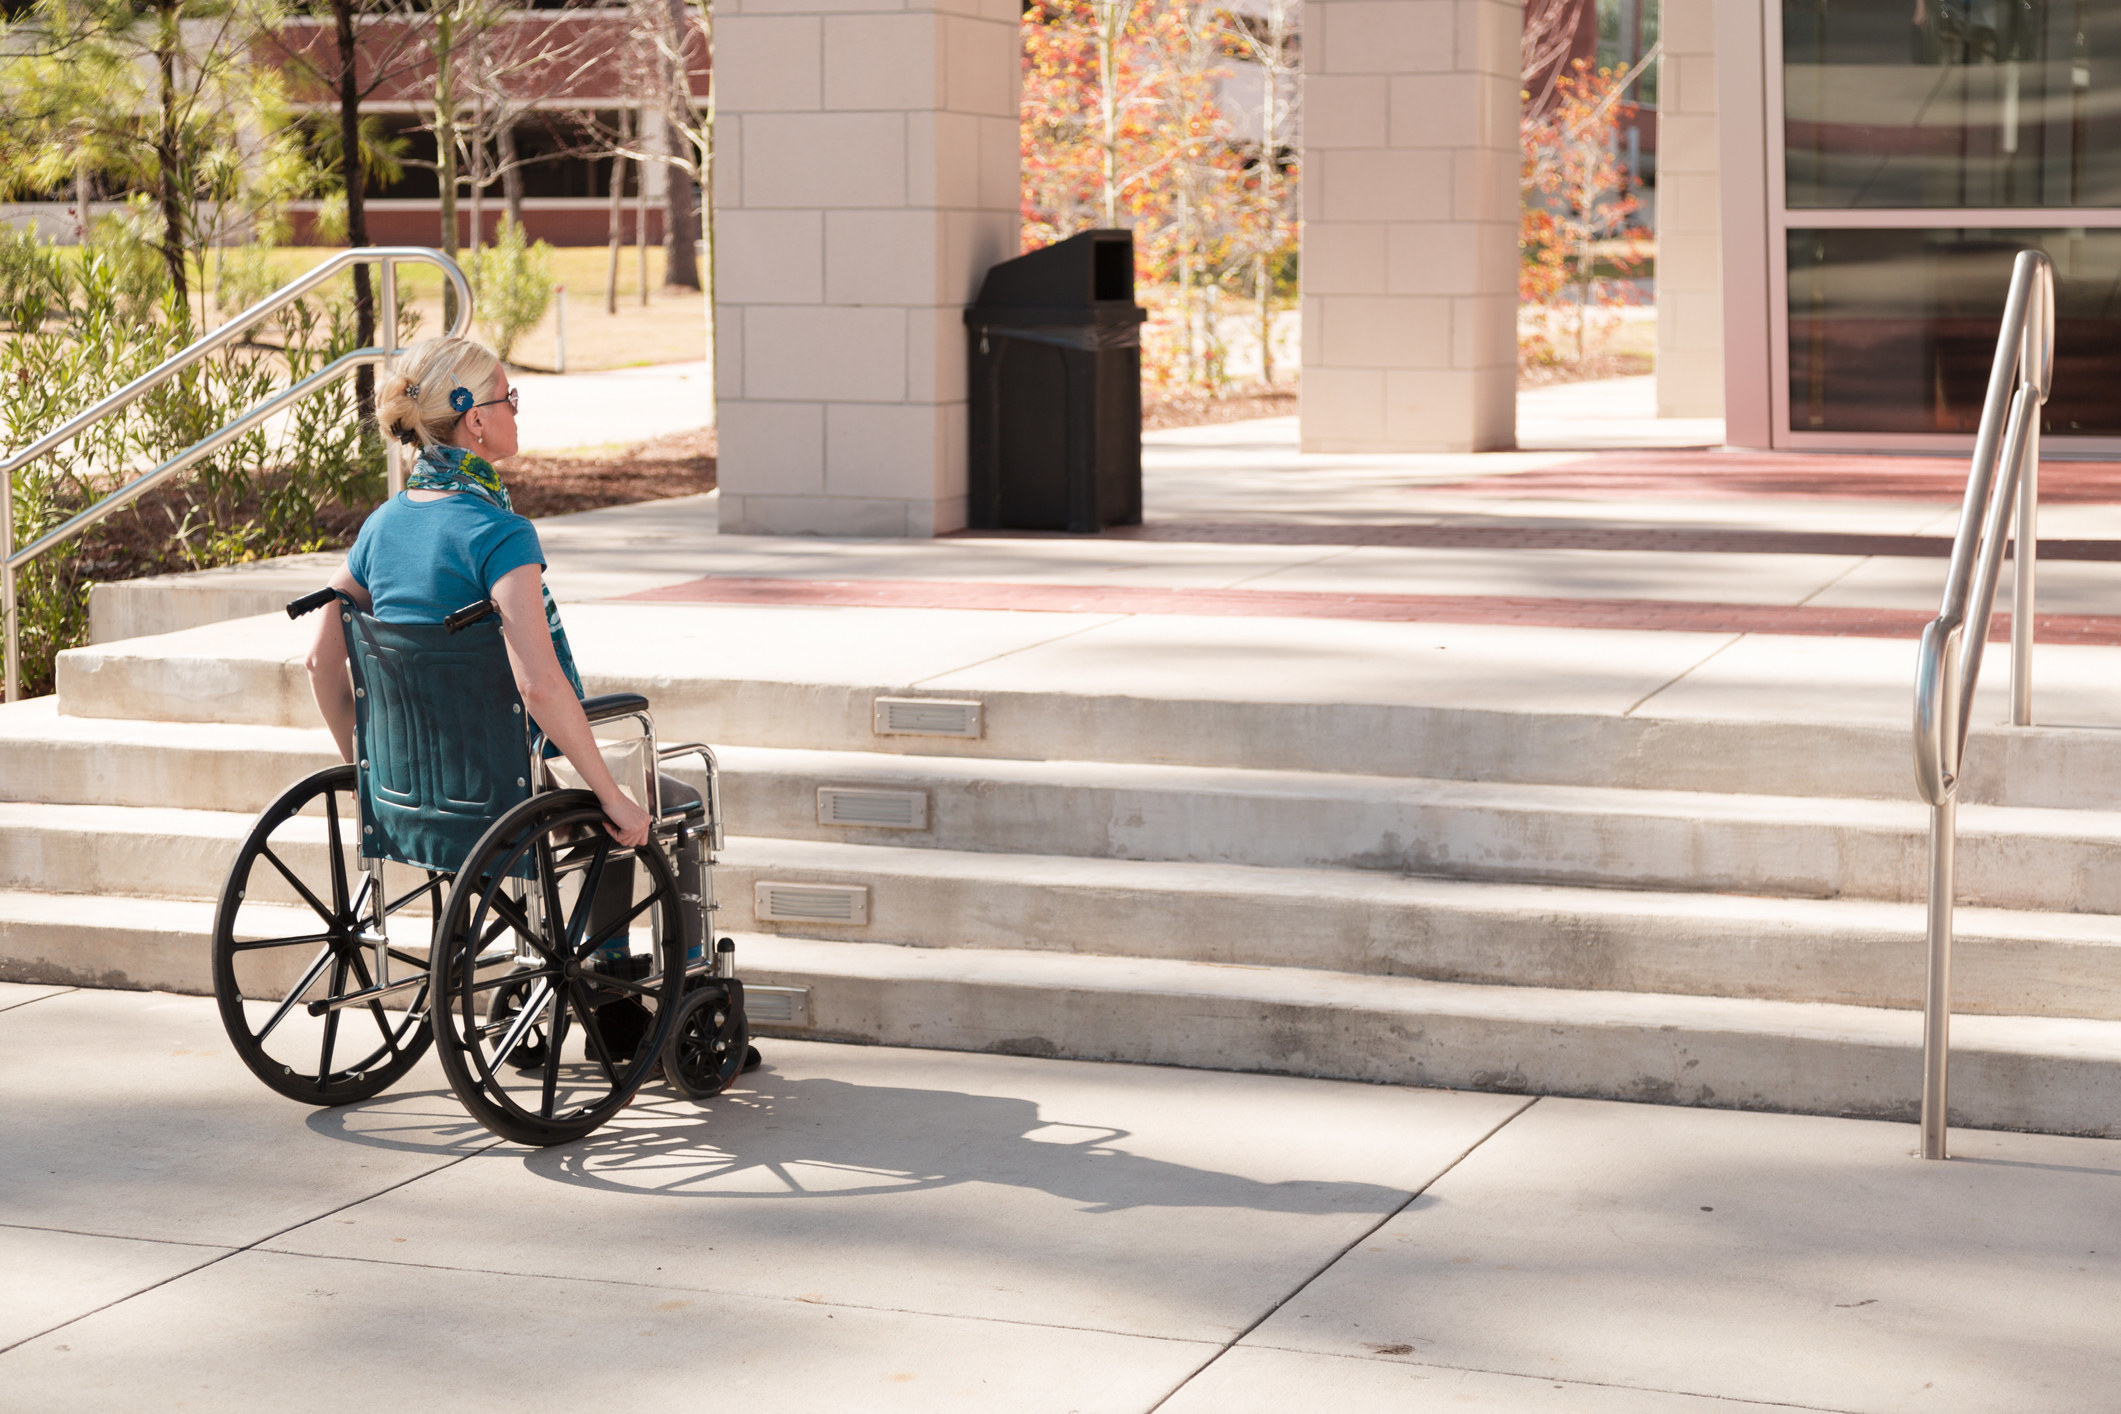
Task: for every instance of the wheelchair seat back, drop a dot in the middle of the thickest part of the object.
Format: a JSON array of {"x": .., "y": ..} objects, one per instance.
[{"x": 439, "y": 734}]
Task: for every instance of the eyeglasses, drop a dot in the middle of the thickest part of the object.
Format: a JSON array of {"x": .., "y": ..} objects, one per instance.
[{"x": 514, "y": 401}]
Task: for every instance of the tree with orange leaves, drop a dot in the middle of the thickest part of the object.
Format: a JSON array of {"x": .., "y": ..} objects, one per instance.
[
  {"x": 1123, "y": 125},
  {"x": 1088, "y": 107},
  {"x": 1576, "y": 194},
  {"x": 1266, "y": 34}
]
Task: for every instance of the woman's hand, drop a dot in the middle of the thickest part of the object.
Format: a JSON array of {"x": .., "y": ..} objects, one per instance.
[{"x": 627, "y": 823}]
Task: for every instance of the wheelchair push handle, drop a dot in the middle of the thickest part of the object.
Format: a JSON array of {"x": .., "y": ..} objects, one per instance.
[
  {"x": 310, "y": 603},
  {"x": 455, "y": 623},
  {"x": 468, "y": 615}
]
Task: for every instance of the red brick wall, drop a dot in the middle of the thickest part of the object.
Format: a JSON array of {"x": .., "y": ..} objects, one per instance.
[
  {"x": 569, "y": 226},
  {"x": 588, "y": 70}
]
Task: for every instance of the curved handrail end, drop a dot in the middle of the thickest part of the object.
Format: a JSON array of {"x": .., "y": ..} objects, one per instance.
[{"x": 1937, "y": 660}]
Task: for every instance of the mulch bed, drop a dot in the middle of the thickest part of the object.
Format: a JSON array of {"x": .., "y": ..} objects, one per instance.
[
  {"x": 1238, "y": 404},
  {"x": 681, "y": 464},
  {"x": 141, "y": 540},
  {"x": 1596, "y": 365}
]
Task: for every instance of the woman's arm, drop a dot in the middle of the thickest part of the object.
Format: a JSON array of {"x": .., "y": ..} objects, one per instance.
[
  {"x": 547, "y": 695},
  {"x": 329, "y": 680}
]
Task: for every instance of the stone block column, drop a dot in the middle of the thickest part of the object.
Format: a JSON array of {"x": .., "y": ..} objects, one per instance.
[
  {"x": 866, "y": 178},
  {"x": 1410, "y": 225},
  {"x": 1689, "y": 231}
]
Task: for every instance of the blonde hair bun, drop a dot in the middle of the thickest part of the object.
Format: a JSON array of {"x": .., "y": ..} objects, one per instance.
[{"x": 413, "y": 395}]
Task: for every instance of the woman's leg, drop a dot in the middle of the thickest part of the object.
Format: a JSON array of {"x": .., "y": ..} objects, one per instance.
[
  {"x": 615, "y": 890},
  {"x": 675, "y": 793}
]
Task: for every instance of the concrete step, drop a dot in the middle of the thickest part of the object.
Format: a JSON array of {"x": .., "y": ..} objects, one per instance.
[
  {"x": 2043, "y": 1074},
  {"x": 122, "y": 851},
  {"x": 2010, "y": 857},
  {"x": 745, "y": 678},
  {"x": 50, "y": 757},
  {"x": 131, "y": 852},
  {"x": 2016, "y": 858},
  {"x": 150, "y": 944},
  {"x": 1855, "y": 952},
  {"x": 125, "y": 896}
]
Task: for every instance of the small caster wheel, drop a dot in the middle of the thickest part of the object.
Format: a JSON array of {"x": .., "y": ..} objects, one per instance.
[{"x": 710, "y": 1042}]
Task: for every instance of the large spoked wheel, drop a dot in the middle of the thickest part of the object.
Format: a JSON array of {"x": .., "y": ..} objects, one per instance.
[
  {"x": 289, "y": 944},
  {"x": 711, "y": 1040},
  {"x": 546, "y": 1032}
]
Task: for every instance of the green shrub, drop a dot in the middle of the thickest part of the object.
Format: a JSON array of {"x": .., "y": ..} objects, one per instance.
[
  {"x": 511, "y": 286},
  {"x": 267, "y": 493},
  {"x": 127, "y": 245},
  {"x": 33, "y": 279},
  {"x": 243, "y": 276}
]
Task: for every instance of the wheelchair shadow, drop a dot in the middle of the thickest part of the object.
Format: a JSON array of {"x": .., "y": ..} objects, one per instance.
[
  {"x": 779, "y": 1138},
  {"x": 430, "y": 1121},
  {"x": 782, "y": 1138}
]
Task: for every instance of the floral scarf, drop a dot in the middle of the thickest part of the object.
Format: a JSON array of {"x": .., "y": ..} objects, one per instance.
[{"x": 454, "y": 469}]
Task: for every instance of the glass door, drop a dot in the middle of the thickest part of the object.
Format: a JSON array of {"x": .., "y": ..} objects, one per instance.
[{"x": 1914, "y": 147}]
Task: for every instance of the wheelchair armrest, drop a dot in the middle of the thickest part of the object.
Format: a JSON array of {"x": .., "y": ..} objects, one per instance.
[{"x": 607, "y": 705}]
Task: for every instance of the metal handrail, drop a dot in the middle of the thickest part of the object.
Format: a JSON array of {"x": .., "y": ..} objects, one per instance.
[
  {"x": 387, "y": 257},
  {"x": 2005, "y": 476}
]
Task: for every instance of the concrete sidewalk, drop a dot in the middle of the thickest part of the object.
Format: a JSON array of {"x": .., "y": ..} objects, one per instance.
[
  {"x": 574, "y": 411},
  {"x": 1238, "y": 506},
  {"x": 1642, "y": 631},
  {"x": 862, "y": 1228},
  {"x": 614, "y": 407}
]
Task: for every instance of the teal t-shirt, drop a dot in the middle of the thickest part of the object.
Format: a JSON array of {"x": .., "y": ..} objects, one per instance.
[{"x": 421, "y": 561}]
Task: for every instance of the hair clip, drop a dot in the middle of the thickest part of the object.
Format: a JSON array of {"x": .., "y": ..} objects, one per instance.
[
  {"x": 460, "y": 399},
  {"x": 412, "y": 390}
]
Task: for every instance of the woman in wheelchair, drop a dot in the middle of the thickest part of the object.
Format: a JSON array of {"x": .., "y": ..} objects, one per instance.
[
  {"x": 452, "y": 538},
  {"x": 549, "y": 1017}
]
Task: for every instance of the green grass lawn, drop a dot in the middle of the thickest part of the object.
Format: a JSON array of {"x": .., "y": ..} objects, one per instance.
[
  {"x": 668, "y": 328},
  {"x": 581, "y": 269}
]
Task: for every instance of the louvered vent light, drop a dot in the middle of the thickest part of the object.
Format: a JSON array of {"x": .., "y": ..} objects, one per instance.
[
  {"x": 880, "y": 809},
  {"x": 811, "y": 903},
  {"x": 926, "y": 716},
  {"x": 777, "y": 1006}
]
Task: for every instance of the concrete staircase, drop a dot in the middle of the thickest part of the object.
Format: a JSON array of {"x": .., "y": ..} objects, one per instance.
[{"x": 1696, "y": 910}]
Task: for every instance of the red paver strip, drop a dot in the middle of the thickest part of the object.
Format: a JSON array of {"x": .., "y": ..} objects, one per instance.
[
  {"x": 1681, "y": 616},
  {"x": 1808, "y": 476},
  {"x": 1633, "y": 539}
]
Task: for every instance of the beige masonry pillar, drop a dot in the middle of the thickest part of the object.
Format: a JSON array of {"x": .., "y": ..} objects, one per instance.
[
  {"x": 866, "y": 179},
  {"x": 1689, "y": 233},
  {"x": 1410, "y": 224}
]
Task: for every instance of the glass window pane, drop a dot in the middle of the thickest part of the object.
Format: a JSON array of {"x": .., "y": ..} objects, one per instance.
[
  {"x": 1894, "y": 331},
  {"x": 1626, "y": 30},
  {"x": 1981, "y": 103}
]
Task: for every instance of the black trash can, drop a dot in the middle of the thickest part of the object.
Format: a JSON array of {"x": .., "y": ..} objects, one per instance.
[{"x": 1056, "y": 389}]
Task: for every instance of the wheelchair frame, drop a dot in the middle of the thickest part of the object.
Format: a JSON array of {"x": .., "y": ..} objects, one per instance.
[
  {"x": 674, "y": 830},
  {"x": 705, "y": 993}
]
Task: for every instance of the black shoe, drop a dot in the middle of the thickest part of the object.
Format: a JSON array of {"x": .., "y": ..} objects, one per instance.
[{"x": 622, "y": 1024}]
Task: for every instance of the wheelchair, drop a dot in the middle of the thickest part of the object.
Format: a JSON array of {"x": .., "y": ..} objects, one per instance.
[{"x": 448, "y": 887}]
